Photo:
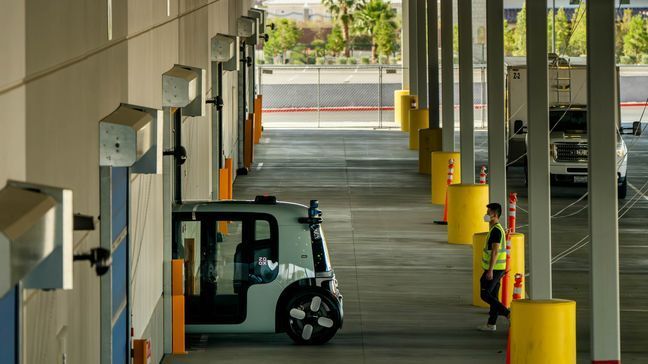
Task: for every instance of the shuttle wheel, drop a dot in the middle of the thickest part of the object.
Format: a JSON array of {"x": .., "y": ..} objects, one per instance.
[
  {"x": 313, "y": 317},
  {"x": 623, "y": 188}
]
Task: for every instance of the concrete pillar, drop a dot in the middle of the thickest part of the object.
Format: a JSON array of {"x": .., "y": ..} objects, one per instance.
[
  {"x": 412, "y": 29},
  {"x": 538, "y": 152},
  {"x": 447, "y": 76},
  {"x": 421, "y": 53},
  {"x": 497, "y": 122},
  {"x": 466, "y": 112},
  {"x": 602, "y": 101},
  {"x": 405, "y": 45},
  {"x": 433, "y": 61}
]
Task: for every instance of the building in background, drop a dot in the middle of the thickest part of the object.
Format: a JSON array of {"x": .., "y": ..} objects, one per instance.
[{"x": 305, "y": 10}]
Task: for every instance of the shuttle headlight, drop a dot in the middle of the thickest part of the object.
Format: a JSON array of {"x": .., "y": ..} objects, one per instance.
[{"x": 621, "y": 150}]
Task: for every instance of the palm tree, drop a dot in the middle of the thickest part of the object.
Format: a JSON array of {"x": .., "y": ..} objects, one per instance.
[
  {"x": 374, "y": 18},
  {"x": 343, "y": 12}
]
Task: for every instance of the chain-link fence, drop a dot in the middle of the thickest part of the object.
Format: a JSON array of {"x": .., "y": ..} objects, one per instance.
[
  {"x": 362, "y": 96},
  {"x": 329, "y": 96}
]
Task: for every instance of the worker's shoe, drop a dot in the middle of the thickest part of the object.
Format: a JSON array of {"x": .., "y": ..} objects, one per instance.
[{"x": 487, "y": 328}]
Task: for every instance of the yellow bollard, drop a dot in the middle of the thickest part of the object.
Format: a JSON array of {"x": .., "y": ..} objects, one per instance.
[
  {"x": 543, "y": 331},
  {"x": 418, "y": 119},
  {"x": 517, "y": 265},
  {"x": 430, "y": 140},
  {"x": 409, "y": 102},
  {"x": 398, "y": 105},
  {"x": 466, "y": 209},
  {"x": 439, "y": 172}
]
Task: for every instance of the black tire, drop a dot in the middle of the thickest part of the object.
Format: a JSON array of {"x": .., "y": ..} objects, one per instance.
[
  {"x": 623, "y": 188},
  {"x": 329, "y": 309}
]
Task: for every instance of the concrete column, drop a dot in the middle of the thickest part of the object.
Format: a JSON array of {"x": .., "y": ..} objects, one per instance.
[
  {"x": 602, "y": 101},
  {"x": 447, "y": 76},
  {"x": 466, "y": 111},
  {"x": 538, "y": 152},
  {"x": 421, "y": 53},
  {"x": 433, "y": 61},
  {"x": 405, "y": 45},
  {"x": 496, "y": 118},
  {"x": 412, "y": 29}
]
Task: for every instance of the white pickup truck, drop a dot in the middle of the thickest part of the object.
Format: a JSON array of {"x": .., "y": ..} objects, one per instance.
[{"x": 569, "y": 148}]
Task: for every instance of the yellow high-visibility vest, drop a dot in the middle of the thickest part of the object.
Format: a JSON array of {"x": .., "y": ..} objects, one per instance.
[{"x": 500, "y": 263}]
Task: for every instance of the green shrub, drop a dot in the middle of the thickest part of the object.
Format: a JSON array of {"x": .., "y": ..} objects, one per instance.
[
  {"x": 353, "y": 60},
  {"x": 384, "y": 60},
  {"x": 260, "y": 61},
  {"x": 298, "y": 61},
  {"x": 365, "y": 60},
  {"x": 644, "y": 59},
  {"x": 330, "y": 61},
  {"x": 320, "y": 60},
  {"x": 311, "y": 60},
  {"x": 626, "y": 60},
  {"x": 342, "y": 60}
]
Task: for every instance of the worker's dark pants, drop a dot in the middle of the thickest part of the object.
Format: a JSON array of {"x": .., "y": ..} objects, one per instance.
[{"x": 489, "y": 290}]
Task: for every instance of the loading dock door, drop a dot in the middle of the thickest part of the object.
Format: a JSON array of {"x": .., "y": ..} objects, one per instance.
[
  {"x": 119, "y": 271},
  {"x": 9, "y": 327}
]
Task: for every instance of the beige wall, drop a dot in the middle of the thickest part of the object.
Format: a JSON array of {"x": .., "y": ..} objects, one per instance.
[
  {"x": 60, "y": 75},
  {"x": 12, "y": 93}
]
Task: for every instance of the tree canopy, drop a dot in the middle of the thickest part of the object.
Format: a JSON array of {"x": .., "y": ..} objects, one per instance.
[
  {"x": 283, "y": 38},
  {"x": 635, "y": 41},
  {"x": 343, "y": 12},
  {"x": 377, "y": 19},
  {"x": 335, "y": 42}
]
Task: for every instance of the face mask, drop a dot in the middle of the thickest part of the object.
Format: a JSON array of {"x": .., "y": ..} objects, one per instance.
[{"x": 487, "y": 218}]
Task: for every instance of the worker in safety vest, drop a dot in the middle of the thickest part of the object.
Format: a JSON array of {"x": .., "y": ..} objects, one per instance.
[{"x": 494, "y": 265}]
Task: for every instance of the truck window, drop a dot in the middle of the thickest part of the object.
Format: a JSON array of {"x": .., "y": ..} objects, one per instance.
[{"x": 573, "y": 121}]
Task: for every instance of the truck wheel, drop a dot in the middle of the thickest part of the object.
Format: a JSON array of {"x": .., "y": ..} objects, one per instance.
[
  {"x": 623, "y": 188},
  {"x": 313, "y": 317}
]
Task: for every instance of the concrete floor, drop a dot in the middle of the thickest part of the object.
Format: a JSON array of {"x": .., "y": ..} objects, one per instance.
[{"x": 407, "y": 292}]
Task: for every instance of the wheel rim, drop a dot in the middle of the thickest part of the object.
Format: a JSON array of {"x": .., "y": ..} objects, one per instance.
[{"x": 311, "y": 317}]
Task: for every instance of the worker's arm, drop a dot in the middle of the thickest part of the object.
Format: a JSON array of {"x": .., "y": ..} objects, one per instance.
[{"x": 495, "y": 250}]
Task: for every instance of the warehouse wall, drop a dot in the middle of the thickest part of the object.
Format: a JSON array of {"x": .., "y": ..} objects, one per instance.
[
  {"x": 12, "y": 96},
  {"x": 61, "y": 76}
]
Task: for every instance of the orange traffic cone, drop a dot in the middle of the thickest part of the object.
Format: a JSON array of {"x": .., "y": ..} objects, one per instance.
[{"x": 449, "y": 182}]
